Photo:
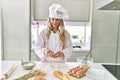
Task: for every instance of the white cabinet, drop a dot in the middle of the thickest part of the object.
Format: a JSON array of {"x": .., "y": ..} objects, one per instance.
[
  {"x": 112, "y": 5},
  {"x": 78, "y": 10},
  {"x": 16, "y": 29},
  {"x": 34, "y": 57},
  {"x": 71, "y": 59},
  {"x": 104, "y": 35}
]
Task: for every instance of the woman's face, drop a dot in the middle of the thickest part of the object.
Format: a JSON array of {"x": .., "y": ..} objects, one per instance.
[{"x": 55, "y": 22}]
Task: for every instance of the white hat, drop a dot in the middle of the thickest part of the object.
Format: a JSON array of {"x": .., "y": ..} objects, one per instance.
[{"x": 57, "y": 11}]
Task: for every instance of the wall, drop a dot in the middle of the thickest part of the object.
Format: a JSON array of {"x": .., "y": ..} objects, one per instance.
[
  {"x": 16, "y": 29},
  {"x": 105, "y": 35}
]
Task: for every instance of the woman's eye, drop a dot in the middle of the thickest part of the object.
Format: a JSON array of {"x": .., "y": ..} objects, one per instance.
[
  {"x": 57, "y": 20},
  {"x": 54, "y": 19}
]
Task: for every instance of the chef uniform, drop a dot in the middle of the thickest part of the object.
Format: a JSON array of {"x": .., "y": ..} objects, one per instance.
[{"x": 54, "y": 43}]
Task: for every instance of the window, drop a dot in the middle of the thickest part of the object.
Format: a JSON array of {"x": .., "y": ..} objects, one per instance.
[{"x": 80, "y": 33}]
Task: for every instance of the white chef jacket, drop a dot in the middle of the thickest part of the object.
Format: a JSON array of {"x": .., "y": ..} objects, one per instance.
[{"x": 54, "y": 45}]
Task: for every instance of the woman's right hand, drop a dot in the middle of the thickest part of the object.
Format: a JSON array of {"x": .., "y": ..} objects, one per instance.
[{"x": 48, "y": 52}]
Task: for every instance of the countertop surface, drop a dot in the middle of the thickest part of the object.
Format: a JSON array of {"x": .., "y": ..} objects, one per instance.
[{"x": 50, "y": 67}]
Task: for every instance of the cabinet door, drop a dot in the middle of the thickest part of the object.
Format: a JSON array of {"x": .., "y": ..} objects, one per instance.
[
  {"x": 104, "y": 35},
  {"x": 16, "y": 28},
  {"x": 76, "y": 54},
  {"x": 34, "y": 57}
]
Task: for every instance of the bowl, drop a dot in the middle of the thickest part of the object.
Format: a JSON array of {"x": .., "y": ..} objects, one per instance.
[
  {"x": 84, "y": 60},
  {"x": 28, "y": 65}
]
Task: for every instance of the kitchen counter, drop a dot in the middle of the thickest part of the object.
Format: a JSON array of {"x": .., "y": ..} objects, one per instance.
[{"x": 49, "y": 67}]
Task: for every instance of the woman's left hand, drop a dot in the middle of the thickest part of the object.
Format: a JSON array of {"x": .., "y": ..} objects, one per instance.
[{"x": 59, "y": 54}]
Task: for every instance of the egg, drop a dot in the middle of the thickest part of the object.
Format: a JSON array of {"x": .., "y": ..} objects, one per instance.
[{"x": 73, "y": 72}]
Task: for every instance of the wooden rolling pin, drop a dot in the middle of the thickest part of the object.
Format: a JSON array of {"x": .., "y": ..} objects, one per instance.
[{"x": 9, "y": 71}]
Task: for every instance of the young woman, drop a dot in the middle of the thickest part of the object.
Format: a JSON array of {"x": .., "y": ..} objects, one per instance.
[{"x": 54, "y": 43}]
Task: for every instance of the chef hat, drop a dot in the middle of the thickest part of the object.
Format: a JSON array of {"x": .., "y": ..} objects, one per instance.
[{"x": 57, "y": 11}]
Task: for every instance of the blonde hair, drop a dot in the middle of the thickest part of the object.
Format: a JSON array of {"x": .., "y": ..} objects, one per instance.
[{"x": 61, "y": 33}]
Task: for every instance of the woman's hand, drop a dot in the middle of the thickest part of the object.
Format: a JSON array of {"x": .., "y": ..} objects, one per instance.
[
  {"x": 59, "y": 54},
  {"x": 48, "y": 52}
]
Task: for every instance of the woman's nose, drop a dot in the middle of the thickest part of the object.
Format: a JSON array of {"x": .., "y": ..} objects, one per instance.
[{"x": 54, "y": 21}]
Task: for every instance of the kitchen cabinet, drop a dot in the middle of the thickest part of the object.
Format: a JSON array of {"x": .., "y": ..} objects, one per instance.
[
  {"x": 34, "y": 57},
  {"x": 76, "y": 54},
  {"x": 112, "y": 5},
  {"x": 16, "y": 29},
  {"x": 105, "y": 35},
  {"x": 79, "y": 11},
  {"x": 71, "y": 59}
]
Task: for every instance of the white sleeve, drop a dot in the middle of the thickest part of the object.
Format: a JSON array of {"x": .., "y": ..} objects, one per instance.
[
  {"x": 40, "y": 46},
  {"x": 68, "y": 49}
]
